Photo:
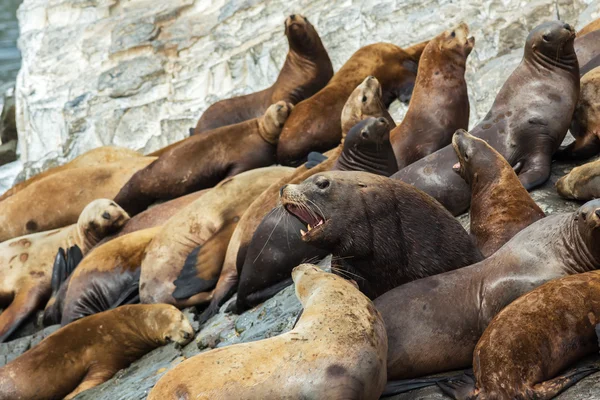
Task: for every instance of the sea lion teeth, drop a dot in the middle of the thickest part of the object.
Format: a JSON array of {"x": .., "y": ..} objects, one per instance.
[
  {"x": 309, "y": 227},
  {"x": 302, "y": 232}
]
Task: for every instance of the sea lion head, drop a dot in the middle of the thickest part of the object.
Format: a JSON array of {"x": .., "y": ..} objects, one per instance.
[
  {"x": 552, "y": 39},
  {"x": 273, "y": 121},
  {"x": 474, "y": 156},
  {"x": 101, "y": 218},
  {"x": 456, "y": 40},
  {"x": 300, "y": 32},
  {"x": 368, "y": 134},
  {"x": 171, "y": 324},
  {"x": 304, "y": 277},
  {"x": 588, "y": 219},
  {"x": 364, "y": 101}
]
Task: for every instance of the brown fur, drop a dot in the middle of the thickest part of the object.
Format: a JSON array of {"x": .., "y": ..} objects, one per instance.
[
  {"x": 26, "y": 262},
  {"x": 336, "y": 351},
  {"x": 500, "y": 205},
  {"x": 314, "y": 123},
  {"x": 592, "y": 26},
  {"x": 306, "y": 70},
  {"x": 202, "y": 161},
  {"x": 582, "y": 183},
  {"x": 90, "y": 351},
  {"x": 440, "y": 103}
]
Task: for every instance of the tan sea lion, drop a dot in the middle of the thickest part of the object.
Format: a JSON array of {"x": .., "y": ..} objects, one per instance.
[
  {"x": 314, "y": 123},
  {"x": 592, "y": 26},
  {"x": 100, "y": 156},
  {"x": 306, "y": 70},
  {"x": 183, "y": 261},
  {"x": 35, "y": 208},
  {"x": 439, "y": 104},
  {"x": 336, "y": 351},
  {"x": 202, "y": 161},
  {"x": 500, "y": 205},
  {"x": 26, "y": 262},
  {"x": 582, "y": 183},
  {"x": 90, "y": 351},
  {"x": 534, "y": 339}
]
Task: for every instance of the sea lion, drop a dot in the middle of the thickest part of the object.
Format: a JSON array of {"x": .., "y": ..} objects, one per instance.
[
  {"x": 582, "y": 183},
  {"x": 202, "y": 161},
  {"x": 585, "y": 126},
  {"x": 526, "y": 124},
  {"x": 439, "y": 104},
  {"x": 90, "y": 351},
  {"x": 433, "y": 324},
  {"x": 57, "y": 200},
  {"x": 500, "y": 205},
  {"x": 97, "y": 157},
  {"x": 387, "y": 232},
  {"x": 26, "y": 262},
  {"x": 306, "y": 70},
  {"x": 592, "y": 26},
  {"x": 314, "y": 123},
  {"x": 535, "y": 338},
  {"x": 336, "y": 351},
  {"x": 587, "y": 47},
  {"x": 183, "y": 261}
]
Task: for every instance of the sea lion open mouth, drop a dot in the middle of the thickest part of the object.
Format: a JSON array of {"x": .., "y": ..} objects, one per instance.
[{"x": 308, "y": 217}]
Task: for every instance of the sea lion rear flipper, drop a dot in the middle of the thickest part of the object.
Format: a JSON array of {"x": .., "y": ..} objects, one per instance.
[
  {"x": 314, "y": 158},
  {"x": 406, "y": 385},
  {"x": 550, "y": 389},
  {"x": 578, "y": 150},
  {"x": 461, "y": 388}
]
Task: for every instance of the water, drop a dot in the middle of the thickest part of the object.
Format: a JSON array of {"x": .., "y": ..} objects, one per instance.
[{"x": 10, "y": 57}]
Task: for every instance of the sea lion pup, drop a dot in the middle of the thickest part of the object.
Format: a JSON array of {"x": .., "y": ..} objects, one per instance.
[
  {"x": 314, "y": 126},
  {"x": 58, "y": 200},
  {"x": 202, "y": 161},
  {"x": 533, "y": 339},
  {"x": 388, "y": 232},
  {"x": 500, "y": 205},
  {"x": 336, "y": 351},
  {"x": 183, "y": 261},
  {"x": 585, "y": 126},
  {"x": 440, "y": 103},
  {"x": 26, "y": 262},
  {"x": 582, "y": 183},
  {"x": 306, "y": 70},
  {"x": 526, "y": 124},
  {"x": 429, "y": 334},
  {"x": 90, "y": 351},
  {"x": 96, "y": 157}
]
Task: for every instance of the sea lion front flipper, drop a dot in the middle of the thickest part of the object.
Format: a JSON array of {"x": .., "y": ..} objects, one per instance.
[
  {"x": 598, "y": 332},
  {"x": 314, "y": 158},
  {"x": 59, "y": 270},
  {"x": 535, "y": 172},
  {"x": 131, "y": 294},
  {"x": 24, "y": 303},
  {"x": 550, "y": 389},
  {"x": 258, "y": 297},
  {"x": 94, "y": 377},
  {"x": 461, "y": 388}
]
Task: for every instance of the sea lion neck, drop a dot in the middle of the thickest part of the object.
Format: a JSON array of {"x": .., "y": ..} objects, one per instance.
[
  {"x": 582, "y": 249},
  {"x": 378, "y": 160},
  {"x": 566, "y": 62},
  {"x": 86, "y": 238}
]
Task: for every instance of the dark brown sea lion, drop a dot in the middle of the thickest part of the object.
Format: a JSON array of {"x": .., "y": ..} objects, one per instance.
[
  {"x": 500, "y": 205},
  {"x": 439, "y": 104},
  {"x": 535, "y": 338},
  {"x": 277, "y": 247},
  {"x": 314, "y": 123},
  {"x": 387, "y": 232},
  {"x": 587, "y": 47},
  {"x": 336, "y": 351},
  {"x": 306, "y": 70},
  {"x": 57, "y": 200},
  {"x": 434, "y": 323},
  {"x": 526, "y": 124},
  {"x": 202, "y": 161},
  {"x": 585, "y": 126},
  {"x": 90, "y": 351},
  {"x": 26, "y": 262}
]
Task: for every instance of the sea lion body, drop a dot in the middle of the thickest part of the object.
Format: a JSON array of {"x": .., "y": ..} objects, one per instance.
[
  {"x": 90, "y": 351},
  {"x": 581, "y": 183},
  {"x": 306, "y": 70},
  {"x": 26, "y": 262},
  {"x": 587, "y": 47},
  {"x": 34, "y": 209},
  {"x": 193, "y": 242},
  {"x": 434, "y": 323},
  {"x": 526, "y": 124},
  {"x": 336, "y": 351},
  {"x": 592, "y": 26},
  {"x": 387, "y": 232},
  {"x": 439, "y": 104},
  {"x": 500, "y": 205},
  {"x": 314, "y": 123},
  {"x": 202, "y": 161}
]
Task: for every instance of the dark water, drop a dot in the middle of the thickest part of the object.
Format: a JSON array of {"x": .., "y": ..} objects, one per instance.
[{"x": 10, "y": 57}]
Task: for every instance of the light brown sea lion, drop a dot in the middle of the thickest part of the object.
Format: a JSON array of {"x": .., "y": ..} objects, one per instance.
[
  {"x": 500, "y": 205},
  {"x": 193, "y": 242},
  {"x": 306, "y": 70},
  {"x": 100, "y": 156},
  {"x": 592, "y": 26},
  {"x": 526, "y": 124},
  {"x": 26, "y": 262},
  {"x": 336, "y": 351},
  {"x": 585, "y": 126},
  {"x": 57, "y": 200},
  {"x": 534, "y": 339},
  {"x": 90, "y": 351},
  {"x": 314, "y": 123},
  {"x": 434, "y": 323},
  {"x": 439, "y": 104},
  {"x": 202, "y": 161},
  {"x": 582, "y": 183}
]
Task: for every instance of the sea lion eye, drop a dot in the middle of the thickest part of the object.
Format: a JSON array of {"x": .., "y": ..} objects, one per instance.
[
  {"x": 453, "y": 34},
  {"x": 322, "y": 183},
  {"x": 546, "y": 38},
  {"x": 364, "y": 99},
  {"x": 583, "y": 215},
  {"x": 106, "y": 215},
  {"x": 364, "y": 134}
]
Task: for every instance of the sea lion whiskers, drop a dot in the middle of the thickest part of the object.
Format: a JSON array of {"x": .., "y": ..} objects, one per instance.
[{"x": 281, "y": 215}]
